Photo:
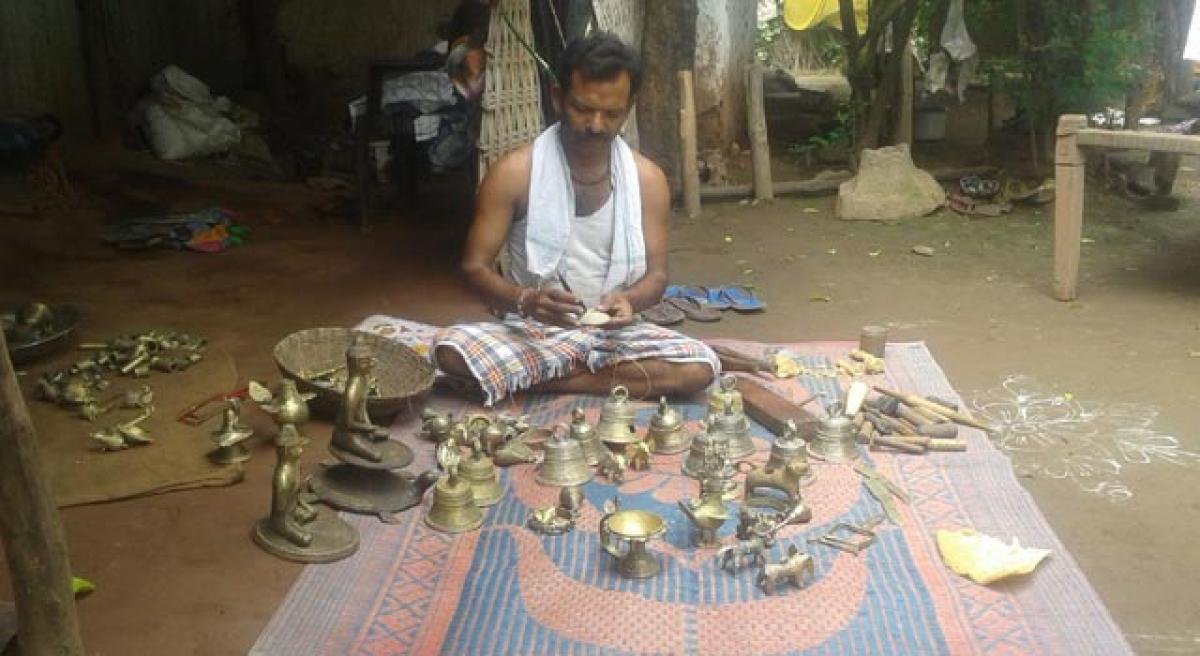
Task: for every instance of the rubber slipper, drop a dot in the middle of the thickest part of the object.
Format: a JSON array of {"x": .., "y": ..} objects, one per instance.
[
  {"x": 674, "y": 291},
  {"x": 663, "y": 314},
  {"x": 714, "y": 299},
  {"x": 742, "y": 299},
  {"x": 695, "y": 310}
]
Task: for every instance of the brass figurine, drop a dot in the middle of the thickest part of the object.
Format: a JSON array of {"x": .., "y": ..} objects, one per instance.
[
  {"x": 753, "y": 548},
  {"x": 230, "y": 437},
  {"x": 637, "y": 455},
  {"x": 296, "y": 530},
  {"x": 354, "y": 432},
  {"x": 560, "y": 518},
  {"x": 611, "y": 465},
  {"x": 777, "y": 488},
  {"x": 635, "y": 528},
  {"x": 126, "y": 434},
  {"x": 436, "y": 426},
  {"x": 791, "y": 569},
  {"x": 708, "y": 513}
]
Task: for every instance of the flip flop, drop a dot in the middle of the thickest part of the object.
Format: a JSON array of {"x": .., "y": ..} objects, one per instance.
[
  {"x": 674, "y": 291},
  {"x": 695, "y": 310},
  {"x": 714, "y": 299},
  {"x": 663, "y": 314},
  {"x": 742, "y": 299}
]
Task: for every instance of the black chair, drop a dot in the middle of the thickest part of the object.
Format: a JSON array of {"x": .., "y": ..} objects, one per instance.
[{"x": 410, "y": 160}]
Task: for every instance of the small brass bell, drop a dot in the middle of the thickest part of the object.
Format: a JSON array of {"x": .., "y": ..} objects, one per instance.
[
  {"x": 666, "y": 433},
  {"x": 616, "y": 419},
  {"x": 735, "y": 427},
  {"x": 453, "y": 509},
  {"x": 564, "y": 463},
  {"x": 707, "y": 448},
  {"x": 583, "y": 432},
  {"x": 834, "y": 441},
  {"x": 786, "y": 447},
  {"x": 480, "y": 472}
]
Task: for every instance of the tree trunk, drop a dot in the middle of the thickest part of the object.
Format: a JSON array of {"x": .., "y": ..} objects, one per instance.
[
  {"x": 32, "y": 533},
  {"x": 668, "y": 47}
]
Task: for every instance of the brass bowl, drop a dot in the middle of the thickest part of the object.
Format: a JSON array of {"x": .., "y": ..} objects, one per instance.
[
  {"x": 404, "y": 377},
  {"x": 65, "y": 319},
  {"x": 636, "y": 524}
]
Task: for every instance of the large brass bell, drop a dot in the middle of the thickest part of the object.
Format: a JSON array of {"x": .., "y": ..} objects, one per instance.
[
  {"x": 666, "y": 434},
  {"x": 786, "y": 447},
  {"x": 564, "y": 463},
  {"x": 453, "y": 509},
  {"x": 584, "y": 433},
  {"x": 616, "y": 425},
  {"x": 736, "y": 429},
  {"x": 834, "y": 441},
  {"x": 479, "y": 471}
]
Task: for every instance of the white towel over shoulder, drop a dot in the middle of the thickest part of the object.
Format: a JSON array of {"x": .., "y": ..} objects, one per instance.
[{"x": 552, "y": 204}]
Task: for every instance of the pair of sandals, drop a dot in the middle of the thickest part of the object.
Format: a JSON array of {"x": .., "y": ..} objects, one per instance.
[{"x": 702, "y": 303}]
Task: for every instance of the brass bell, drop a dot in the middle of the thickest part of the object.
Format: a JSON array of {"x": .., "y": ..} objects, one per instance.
[
  {"x": 834, "y": 441},
  {"x": 786, "y": 447},
  {"x": 616, "y": 419},
  {"x": 666, "y": 434},
  {"x": 564, "y": 463},
  {"x": 735, "y": 427},
  {"x": 480, "y": 472},
  {"x": 707, "y": 450},
  {"x": 584, "y": 433},
  {"x": 453, "y": 509}
]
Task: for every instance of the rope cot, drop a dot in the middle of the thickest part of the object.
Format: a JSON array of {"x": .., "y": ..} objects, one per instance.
[{"x": 512, "y": 101}]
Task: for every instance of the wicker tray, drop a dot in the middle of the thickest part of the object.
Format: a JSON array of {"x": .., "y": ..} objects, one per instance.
[{"x": 404, "y": 377}]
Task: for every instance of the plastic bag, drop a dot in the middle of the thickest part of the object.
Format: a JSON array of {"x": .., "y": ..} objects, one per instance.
[
  {"x": 183, "y": 119},
  {"x": 939, "y": 67},
  {"x": 955, "y": 38}
]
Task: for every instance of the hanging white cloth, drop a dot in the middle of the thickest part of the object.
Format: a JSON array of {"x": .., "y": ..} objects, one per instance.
[{"x": 552, "y": 205}]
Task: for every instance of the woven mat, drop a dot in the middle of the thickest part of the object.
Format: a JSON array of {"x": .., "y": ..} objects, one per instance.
[
  {"x": 81, "y": 474},
  {"x": 506, "y": 590}
]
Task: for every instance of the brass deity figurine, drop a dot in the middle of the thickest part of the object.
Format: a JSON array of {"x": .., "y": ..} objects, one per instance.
[
  {"x": 296, "y": 530},
  {"x": 354, "y": 432}
]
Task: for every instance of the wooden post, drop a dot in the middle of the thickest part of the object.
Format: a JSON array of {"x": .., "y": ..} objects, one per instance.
[
  {"x": 32, "y": 533},
  {"x": 1069, "y": 171},
  {"x": 902, "y": 132},
  {"x": 760, "y": 146},
  {"x": 688, "y": 148}
]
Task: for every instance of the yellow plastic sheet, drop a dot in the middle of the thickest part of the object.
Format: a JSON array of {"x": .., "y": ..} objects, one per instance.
[
  {"x": 983, "y": 558},
  {"x": 803, "y": 14}
]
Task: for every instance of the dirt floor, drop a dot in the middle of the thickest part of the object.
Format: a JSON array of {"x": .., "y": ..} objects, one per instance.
[{"x": 177, "y": 573}]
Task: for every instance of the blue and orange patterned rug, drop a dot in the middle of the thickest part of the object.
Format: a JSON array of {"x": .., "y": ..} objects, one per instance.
[{"x": 506, "y": 590}]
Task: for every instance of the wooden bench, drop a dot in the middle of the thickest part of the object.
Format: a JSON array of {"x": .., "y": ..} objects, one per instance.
[{"x": 1069, "y": 174}]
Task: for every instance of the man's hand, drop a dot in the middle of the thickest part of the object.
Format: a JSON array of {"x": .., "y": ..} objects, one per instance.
[
  {"x": 617, "y": 305},
  {"x": 554, "y": 306}
]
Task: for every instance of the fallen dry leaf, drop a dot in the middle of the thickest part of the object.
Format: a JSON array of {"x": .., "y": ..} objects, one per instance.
[{"x": 926, "y": 251}]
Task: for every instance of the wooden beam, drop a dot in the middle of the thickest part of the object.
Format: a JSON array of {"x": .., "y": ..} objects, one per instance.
[
  {"x": 828, "y": 183},
  {"x": 688, "y": 150},
  {"x": 902, "y": 131},
  {"x": 34, "y": 544},
  {"x": 1069, "y": 171},
  {"x": 760, "y": 146},
  {"x": 1187, "y": 144}
]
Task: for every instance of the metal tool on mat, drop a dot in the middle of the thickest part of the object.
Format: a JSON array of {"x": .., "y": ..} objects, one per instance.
[
  {"x": 883, "y": 489},
  {"x": 851, "y": 538}
]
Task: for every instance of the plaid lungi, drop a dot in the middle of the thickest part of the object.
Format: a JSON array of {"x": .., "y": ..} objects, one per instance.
[{"x": 519, "y": 353}]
